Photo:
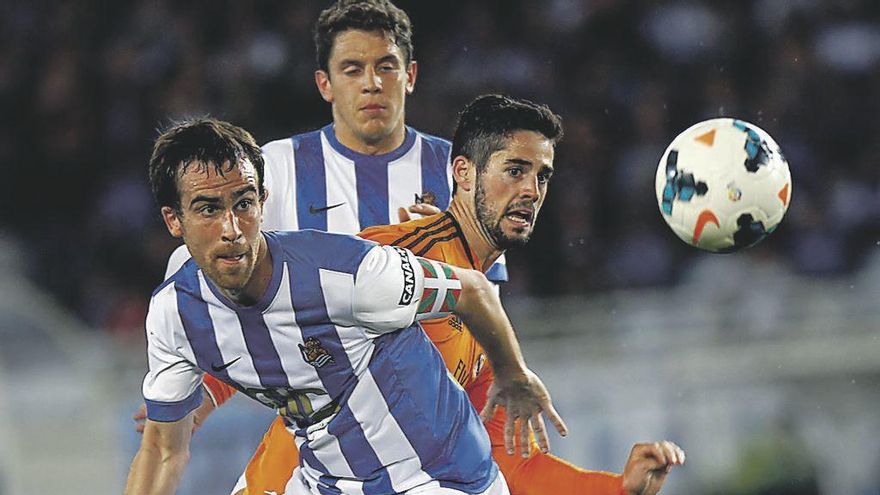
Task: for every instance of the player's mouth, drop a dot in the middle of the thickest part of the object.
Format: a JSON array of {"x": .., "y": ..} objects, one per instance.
[
  {"x": 521, "y": 217},
  {"x": 373, "y": 109},
  {"x": 231, "y": 259}
]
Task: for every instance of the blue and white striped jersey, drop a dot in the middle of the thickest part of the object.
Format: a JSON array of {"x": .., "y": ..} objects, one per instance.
[
  {"x": 315, "y": 182},
  {"x": 372, "y": 407}
]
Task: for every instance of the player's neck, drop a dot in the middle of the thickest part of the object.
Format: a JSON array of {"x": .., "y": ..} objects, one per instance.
[
  {"x": 477, "y": 237},
  {"x": 258, "y": 284},
  {"x": 352, "y": 141}
]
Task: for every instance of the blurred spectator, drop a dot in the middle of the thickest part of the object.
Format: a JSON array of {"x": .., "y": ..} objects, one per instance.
[{"x": 88, "y": 87}]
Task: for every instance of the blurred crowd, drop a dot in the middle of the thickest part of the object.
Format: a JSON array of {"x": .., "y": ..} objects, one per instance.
[{"x": 84, "y": 86}]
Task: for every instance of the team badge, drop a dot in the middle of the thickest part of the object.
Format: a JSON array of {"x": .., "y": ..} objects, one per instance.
[{"x": 314, "y": 353}]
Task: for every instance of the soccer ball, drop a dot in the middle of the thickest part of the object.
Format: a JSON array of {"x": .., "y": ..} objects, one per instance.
[{"x": 723, "y": 185}]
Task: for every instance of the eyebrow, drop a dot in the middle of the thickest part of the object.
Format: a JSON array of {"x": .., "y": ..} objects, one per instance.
[
  {"x": 360, "y": 63},
  {"x": 214, "y": 200}
]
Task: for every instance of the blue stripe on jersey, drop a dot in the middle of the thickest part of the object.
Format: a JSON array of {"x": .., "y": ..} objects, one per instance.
[
  {"x": 497, "y": 273},
  {"x": 435, "y": 161},
  {"x": 371, "y": 176},
  {"x": 197, "y": 324},
  {"x": 308, "y": 251},
  {"x": 311, "y": 180},
  {"x": 433, "y": 412},
  {"x": 173, "y": 411},
  {"x": 259, "y": 344}
]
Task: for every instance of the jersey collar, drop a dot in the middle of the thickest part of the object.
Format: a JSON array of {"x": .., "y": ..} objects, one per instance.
[{"x": 408, "y": 141}]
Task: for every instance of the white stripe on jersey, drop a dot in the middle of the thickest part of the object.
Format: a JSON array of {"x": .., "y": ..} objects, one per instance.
[
  {"x": 164, "y": 351},
  {"x": 230, "y": 338},
  {"x": 285, "y": 334},
  {"x": 341, "y": 188},
  {"x": 279, "y": 212},
  {"x": 391, "y": 445},
  {"x": 402, "y": 174}
]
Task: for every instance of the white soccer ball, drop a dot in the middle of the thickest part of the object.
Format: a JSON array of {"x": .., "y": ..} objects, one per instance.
[{"x": 723, "y": 185}]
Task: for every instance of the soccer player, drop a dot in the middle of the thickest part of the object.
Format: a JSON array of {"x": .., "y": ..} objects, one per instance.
[
  {"x": 320, "y": 327},
  {"x": 367, "y": 167},
  {"x": 503, "y": 160}
]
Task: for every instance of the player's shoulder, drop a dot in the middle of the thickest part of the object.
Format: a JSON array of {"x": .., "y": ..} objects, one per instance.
[
  {"x": 433, "y": 140},
  {"x": 284, "y": 146},
  {"x": 389, "y": 234},
  {"x": 318, "y": 248},
  {"x": 441, "y": 145},
  {"x": 182, "y": 279},
  {"x": 435, "y": 236}
]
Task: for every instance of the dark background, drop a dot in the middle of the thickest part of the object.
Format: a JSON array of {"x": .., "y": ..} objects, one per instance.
[{"x": 84, "y": 87}]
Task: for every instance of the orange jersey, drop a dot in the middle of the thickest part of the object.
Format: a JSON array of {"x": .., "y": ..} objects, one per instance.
[{"x": 438, "y": 237}]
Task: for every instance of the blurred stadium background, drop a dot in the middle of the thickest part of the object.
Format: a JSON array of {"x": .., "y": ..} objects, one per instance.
[{"x": 764, "y": 365}]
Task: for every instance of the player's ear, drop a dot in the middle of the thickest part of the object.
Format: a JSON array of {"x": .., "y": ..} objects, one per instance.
[
  {"x": 411, "y": 72},
  {"x": 463, "y": 172},
  {"x": 172, "y": 221},
  {"x": 322, "y": 81}
]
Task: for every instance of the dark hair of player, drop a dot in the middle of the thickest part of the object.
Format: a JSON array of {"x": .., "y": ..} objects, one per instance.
[
  {"x": 365, "y": 15},
  {"x": 210, "y": 142},
  {"x": 486, "y": 123}
]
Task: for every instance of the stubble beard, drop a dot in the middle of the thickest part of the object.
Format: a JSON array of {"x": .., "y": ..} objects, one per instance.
[{"x": 486, "y": 218}]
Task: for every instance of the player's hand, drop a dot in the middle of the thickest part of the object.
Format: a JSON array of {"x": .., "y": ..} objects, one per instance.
[
  {"x": 647, "y": 467},
  {"x": 424, "y": 209},
  {"x": 201, "y": 413},
  {"x": 140, "y": 418},
  {"x": 524, "y": 399}
]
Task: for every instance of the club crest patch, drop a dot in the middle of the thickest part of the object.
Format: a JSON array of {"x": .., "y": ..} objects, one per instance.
[{"x": 314, "y": 353}]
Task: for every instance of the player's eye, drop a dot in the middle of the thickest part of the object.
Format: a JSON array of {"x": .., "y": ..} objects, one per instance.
[
  {"x": 515, "y": 172},
  {"x": 244, "y": 204},
  {"x": 208, "y": 210},
  {"x": 351, "y": 70},
  {"x": 387, "y": 68}
]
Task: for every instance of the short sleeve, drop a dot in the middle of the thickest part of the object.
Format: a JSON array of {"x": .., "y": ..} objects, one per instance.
[
  {"x": 387, "y": 289},
  {"x": 171, "y": 387}
]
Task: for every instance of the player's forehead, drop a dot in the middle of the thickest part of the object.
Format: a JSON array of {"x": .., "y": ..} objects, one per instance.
[
  {"x": 197, "y": 177},
  {"x": 531, "y": 146},
  {"x": 364, "y": 46}
]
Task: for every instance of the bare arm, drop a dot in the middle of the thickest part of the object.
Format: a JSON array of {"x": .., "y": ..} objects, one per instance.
[
  {"x": 516, "y": 388},
  {"x": 161, "y": 459}
]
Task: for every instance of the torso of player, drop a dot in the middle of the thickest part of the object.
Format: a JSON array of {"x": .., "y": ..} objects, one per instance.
[
  {"x": 440, "y": 238},
  {"x": 315, "y": 182},
  {"x": 361, "y": 401}
]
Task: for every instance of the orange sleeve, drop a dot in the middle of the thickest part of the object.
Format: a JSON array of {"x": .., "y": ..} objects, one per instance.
[
  {"x": 220, "y": 392},
  {"x": 540, "y": 473}
]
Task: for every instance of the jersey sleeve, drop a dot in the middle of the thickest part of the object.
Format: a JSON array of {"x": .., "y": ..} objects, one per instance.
[
  {"x": 387, "y": 289},
  {"x": 394, "y": 288},
  {"x": 171, "y": 387}
]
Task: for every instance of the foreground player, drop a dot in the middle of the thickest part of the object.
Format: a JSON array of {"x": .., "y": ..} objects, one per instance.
[
  {"x": 503, "y": 162},
  {"x": 367, "y": 395}
]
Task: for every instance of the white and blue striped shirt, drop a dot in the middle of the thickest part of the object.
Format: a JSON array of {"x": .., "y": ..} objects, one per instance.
[
  {"x": 372, "y": 407},
  {"x": 315, "y": 182}
]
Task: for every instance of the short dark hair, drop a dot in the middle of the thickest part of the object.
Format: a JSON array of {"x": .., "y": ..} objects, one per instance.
[
  {"x": 205, "y": 140},
  {"x": 365, "y": 15},
  {"x": 488, "y": 121}
]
